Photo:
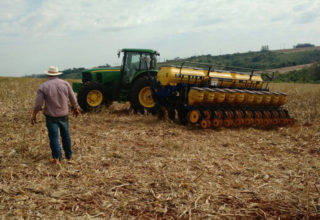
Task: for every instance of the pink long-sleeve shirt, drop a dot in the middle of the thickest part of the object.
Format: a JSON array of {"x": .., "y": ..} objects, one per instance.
[{"x": 55, "y": 93}]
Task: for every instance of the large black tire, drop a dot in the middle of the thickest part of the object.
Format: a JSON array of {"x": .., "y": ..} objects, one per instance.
[
  {"x": 92, "y": 96},
  {"x": 139, "y": 87},
  {"x": 172, "y": 113},
  {"x": 182, "y": 114}
]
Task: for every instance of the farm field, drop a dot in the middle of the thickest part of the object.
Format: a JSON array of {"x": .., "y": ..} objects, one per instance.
[
  {"x": 297, "y": 49},
  {"x": 137, "y": 166},
  {"x": 288, "y": 69}
]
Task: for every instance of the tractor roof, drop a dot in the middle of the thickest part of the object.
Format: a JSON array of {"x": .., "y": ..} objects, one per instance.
[{"x": 138, "y": 50}]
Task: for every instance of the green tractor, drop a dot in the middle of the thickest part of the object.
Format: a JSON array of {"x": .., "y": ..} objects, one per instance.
[{"x": 130, "y": 82}]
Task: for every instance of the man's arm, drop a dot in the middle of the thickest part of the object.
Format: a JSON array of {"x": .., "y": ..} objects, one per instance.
[
  {"x": 34, "y": 117},
  {"x": 73, "y": 101},
  {"x": 37, "y": 106},
  {"x": 76, "y": 112}
]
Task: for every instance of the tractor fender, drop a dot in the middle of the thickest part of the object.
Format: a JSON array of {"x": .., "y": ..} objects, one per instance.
[{"x": 142, "y": 74}]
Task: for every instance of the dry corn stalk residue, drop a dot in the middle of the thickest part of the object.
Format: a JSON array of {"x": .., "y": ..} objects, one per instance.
[{"x": 137, "y": 166}]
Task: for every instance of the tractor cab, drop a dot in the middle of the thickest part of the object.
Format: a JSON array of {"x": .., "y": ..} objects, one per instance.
[{"x": 132, "y": 66}]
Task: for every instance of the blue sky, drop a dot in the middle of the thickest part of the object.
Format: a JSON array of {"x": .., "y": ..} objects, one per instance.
[{"x": 35, "y": 34}]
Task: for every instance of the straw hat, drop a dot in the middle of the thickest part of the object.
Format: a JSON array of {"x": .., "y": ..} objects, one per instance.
[{"x": 53, "y": 71}]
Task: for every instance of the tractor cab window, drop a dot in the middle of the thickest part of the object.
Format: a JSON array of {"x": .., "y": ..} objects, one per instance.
[
  {"x": 143, "y": 63},
  {"x": 132, "y": 64}
]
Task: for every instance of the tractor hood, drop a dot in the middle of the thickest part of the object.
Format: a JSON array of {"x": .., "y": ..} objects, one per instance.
[
  {"x": 102, "y": 75},
  {"x": 100, "y": 70}
]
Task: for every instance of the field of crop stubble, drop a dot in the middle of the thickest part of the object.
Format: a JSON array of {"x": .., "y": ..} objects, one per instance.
[{"x": 129, "y": 166}]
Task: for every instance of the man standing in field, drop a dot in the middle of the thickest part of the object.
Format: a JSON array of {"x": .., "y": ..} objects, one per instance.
[{"x": 55, "y": 93}]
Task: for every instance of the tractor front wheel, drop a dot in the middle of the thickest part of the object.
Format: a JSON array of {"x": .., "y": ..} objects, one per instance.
[{"x": 92, "y": 96}]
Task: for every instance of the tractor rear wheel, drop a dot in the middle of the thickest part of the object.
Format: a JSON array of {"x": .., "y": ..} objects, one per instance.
[
  {"x": 92, "y": 96},
  {"x": 172, "y": 113},
  {"x": 141, "y": 96}
]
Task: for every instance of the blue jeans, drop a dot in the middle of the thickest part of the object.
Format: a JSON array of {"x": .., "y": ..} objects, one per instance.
[{"x": 54, "y": 124}]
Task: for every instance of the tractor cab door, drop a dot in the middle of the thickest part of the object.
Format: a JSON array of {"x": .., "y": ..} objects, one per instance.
[{"x": 131, "y": 65}]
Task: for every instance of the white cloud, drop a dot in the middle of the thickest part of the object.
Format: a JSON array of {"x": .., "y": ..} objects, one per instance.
[
  {"x": 10, "y": 9},
  {"x": 89, "y": 32}
]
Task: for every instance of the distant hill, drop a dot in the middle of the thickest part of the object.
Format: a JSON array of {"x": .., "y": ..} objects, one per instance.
[
  {"x": 277, "y": 60},
  {"x": 308, "y": 74},
  {"x": 289, "y": 68},
  {"x": 262, "y": 60},
  {"x": 74, "y": 73}
]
